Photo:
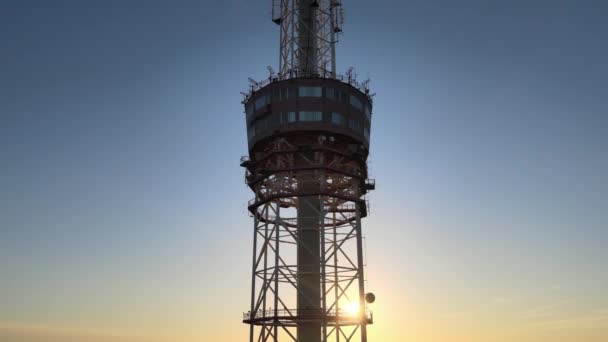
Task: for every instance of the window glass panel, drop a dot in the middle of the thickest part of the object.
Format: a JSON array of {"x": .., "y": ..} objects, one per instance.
[
  {"x": 355, "y": 102},
  {"x": 338, "y": 119},
  {"x": 329, "y": 93},
  {"x": 310, "y": 91},
  {"x": 344, "y": 97},
  {"x": 288, "y": 117},
  {"x": 260, "y": 102},
  {"x": 287, "y": 93},
  {"x": 355, "y": 125},
  {"x": 249, "y": 109},
  {"x": 273, "y": 120},
  {"x": 366, "y": 133},
  {"x": 260, "y": 126},
  {"x": 368, "y": 113},
  {"x": 311, "y": 116},
  {"x": 251, "y": 131}
]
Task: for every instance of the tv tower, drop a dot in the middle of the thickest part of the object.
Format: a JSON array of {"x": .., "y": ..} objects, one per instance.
[{"x": 308, "y": 132}]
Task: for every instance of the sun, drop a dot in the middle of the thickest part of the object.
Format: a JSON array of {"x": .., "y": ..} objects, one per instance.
[{"x": 352, "y": 308}]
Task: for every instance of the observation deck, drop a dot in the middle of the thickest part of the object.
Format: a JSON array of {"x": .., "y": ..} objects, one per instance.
[{"x": 282, "y": 106}]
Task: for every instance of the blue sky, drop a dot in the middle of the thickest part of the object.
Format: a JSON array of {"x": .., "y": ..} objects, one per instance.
[{"x": 123, "y": 208}]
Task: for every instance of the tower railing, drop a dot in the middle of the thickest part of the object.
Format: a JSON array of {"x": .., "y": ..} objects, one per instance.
[
  {"x": 291, "y": 74},
  {"x": 342, "y": 316}
]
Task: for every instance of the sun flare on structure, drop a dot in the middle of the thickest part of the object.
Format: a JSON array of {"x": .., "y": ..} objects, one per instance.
[{"x": 352, "y": 308}]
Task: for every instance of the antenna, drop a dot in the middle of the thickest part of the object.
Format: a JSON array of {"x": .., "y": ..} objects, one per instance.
[{"x": 309, "y": 32}]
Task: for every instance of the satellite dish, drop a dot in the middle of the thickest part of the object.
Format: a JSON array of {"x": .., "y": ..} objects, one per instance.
[{"x": 370, "y": 297}]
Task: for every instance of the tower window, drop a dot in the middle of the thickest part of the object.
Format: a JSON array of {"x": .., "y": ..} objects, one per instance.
[
  {"x": 261, "y": 102},
  {"x": 260, "y": 126},
  {"x": 310, "y": 91},
  {"x": 287, "y": 93},
  {"x": 338, "y": 119},
  {"x": 288, "y": 117},
  {"x": 249, "y": 109},
  {"x": 355, "y": 102},
  {"x": 355, "y": 125},
  {"x": 311, "y": 116}
]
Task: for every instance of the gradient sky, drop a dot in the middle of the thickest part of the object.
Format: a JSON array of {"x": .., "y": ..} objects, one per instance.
[{"x": 123, "y": 208}]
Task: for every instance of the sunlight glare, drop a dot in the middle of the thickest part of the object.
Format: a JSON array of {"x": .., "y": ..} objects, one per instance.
[{"x": 352, "y": 308}]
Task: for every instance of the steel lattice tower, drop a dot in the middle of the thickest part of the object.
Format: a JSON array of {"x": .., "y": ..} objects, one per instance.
[{"x": 308, "y": 134}]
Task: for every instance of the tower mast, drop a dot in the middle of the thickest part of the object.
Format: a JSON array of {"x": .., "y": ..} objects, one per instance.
[
  {"x": 308, "y": 33},
  {"x": 308, "y": 136}
]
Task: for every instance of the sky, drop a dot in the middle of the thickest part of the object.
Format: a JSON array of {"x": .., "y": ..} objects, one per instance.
[{"x": 123, "y": 207}]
